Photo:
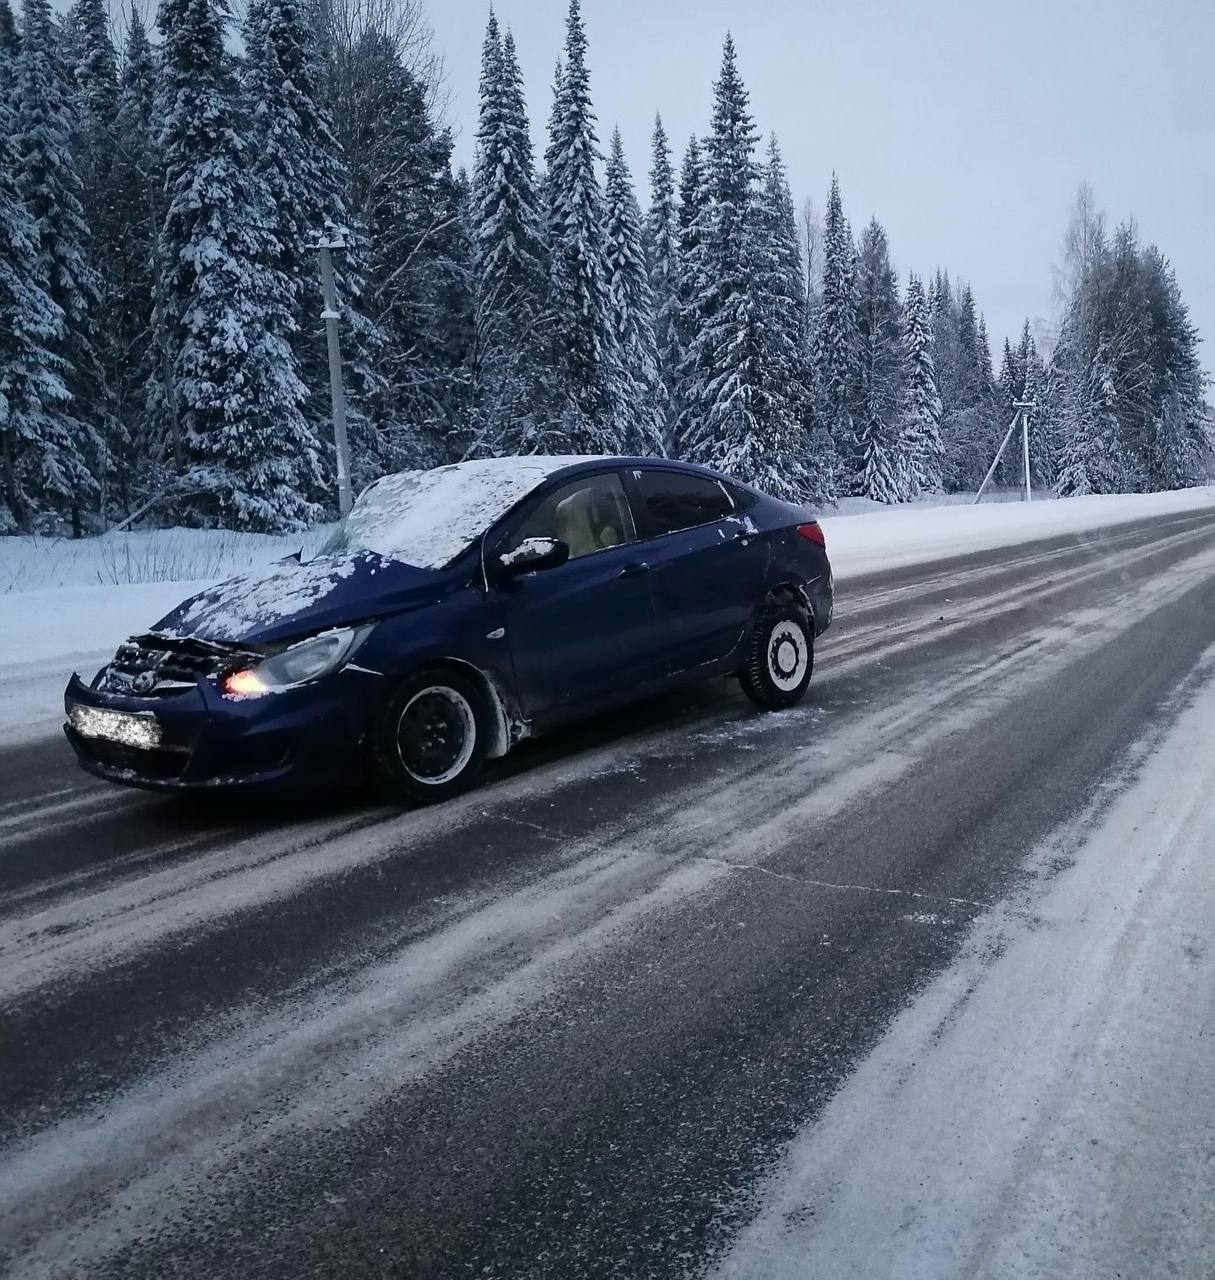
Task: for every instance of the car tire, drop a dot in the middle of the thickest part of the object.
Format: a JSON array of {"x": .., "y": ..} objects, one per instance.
[
  {"x": 780, "y": 660},
  {"x": 431, "y": 738}
]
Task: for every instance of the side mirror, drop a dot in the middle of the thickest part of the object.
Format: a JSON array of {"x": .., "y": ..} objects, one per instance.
[{"x": 532, "y": 554}]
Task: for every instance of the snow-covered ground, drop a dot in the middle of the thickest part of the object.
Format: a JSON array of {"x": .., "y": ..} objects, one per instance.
[
  {"x": 1046, "y": 1107},
  {"x": 67, "y": 604},
  {"x": 886, "y": 538}
]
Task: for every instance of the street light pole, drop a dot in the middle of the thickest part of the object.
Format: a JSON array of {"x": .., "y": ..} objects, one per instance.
[{"x": 331, "y": 240}]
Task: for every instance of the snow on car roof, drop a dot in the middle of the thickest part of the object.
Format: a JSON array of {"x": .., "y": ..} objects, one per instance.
[{"x": 426, "y": 518}]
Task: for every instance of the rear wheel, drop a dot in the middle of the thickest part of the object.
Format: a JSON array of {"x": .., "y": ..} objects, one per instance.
[
  {"x": 781, "y": 659},
  {"x": 432, "y": 738}
]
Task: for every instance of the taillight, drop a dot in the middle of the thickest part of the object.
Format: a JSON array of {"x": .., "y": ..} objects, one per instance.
[{"x": 813, "y": 532}]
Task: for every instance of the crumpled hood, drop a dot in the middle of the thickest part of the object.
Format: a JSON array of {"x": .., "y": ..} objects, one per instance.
[{"x": 290, "y": 599}]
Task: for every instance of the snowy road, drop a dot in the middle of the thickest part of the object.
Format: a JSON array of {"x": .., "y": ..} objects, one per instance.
[{"x": 912, "y": 981}]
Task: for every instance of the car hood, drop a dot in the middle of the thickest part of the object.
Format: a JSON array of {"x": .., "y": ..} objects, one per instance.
[{"x": 290, "y": 599}]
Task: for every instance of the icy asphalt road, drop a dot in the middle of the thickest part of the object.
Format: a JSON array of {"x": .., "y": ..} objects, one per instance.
[{"x": 672, "y": 992}]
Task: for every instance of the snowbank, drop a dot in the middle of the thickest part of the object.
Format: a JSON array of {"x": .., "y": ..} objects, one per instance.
[
  {"x": 893, "y": 537},
  {"x": 45, "y": 635},
  {"x": 143, "y": 556}
]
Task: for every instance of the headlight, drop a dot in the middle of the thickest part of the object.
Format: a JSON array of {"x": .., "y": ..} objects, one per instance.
[{"x": 301, "y": 663}]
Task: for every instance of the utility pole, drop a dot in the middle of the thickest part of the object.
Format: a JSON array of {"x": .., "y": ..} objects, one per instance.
[
  {"x": 332, "y": 239},
  {"x": 1023, "y": 408}
]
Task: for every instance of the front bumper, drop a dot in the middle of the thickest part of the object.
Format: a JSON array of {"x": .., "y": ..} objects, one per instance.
[{"x": 212, "y": 742}]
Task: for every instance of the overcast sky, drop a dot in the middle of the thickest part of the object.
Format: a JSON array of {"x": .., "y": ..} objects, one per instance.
[{"x": 964, "y": 125}]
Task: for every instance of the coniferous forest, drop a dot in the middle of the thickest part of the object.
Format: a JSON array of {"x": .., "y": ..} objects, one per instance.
[{"x": 162, "y": 356}]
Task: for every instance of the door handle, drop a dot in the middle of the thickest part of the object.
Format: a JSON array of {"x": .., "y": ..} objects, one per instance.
[{"x": 634, "y": 570}]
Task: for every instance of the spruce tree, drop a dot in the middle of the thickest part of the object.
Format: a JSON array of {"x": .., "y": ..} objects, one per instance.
[
  {"x": 1009, "y": 385},
  {"x": 50, "y": 186},
  {"x": 692, "y": 292},
  {"x": 10, "y": 41},
  {"x": 405, "y": 195},
  {"x": 834, "y": 350},
  {"x": 509, "y": 253},
  {"x": 250, "y": 457},
  {"x": 1179, "y": 448},
  {"x": 139, "y": 378},
  {"x": 95, "y": 110},
  {"x": 662, "y": 254},
  {"x": 1039, "y": 391},
  {"x": 1090, "y": 458},
  {"x": 782, "y": 280},
  {"x": 35, "y": 429},
  {"x": 879, "y": 368},
  {"x": 306, "y": 187},
  {"x": 920, "y": 422},
  {"x": 584, "y": 352},
  {"x": 742, "y": 423},
  {"x": 632, "y": 311}
]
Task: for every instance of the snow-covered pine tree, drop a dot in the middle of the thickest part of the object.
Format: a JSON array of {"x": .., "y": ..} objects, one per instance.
[
  {"x": 742, "y": 424},
  {"x": 1179, "y": 453},
  {"x": 834, "y": 347},
  {"x": 1009, "y": 385},
  {"x": 695, "y": 210},
  {"x": 785, "y": 392},
  {"x": 300, "y": 165},
  {"x": 405, "y": 195},
  {"x": 95, "y": 140},
  {"x": 50, "y": 186},
  {"x": 10, "y": 41},
  {"x": 632, "y": 311},
  {"x": 509, "y": 255},
  {"x": 249, "y": 454},
  {"x": 967, "y": 422},
  {"x": 450, "y": 340},
  {"x": 137, "y": 373},
  {"x": 1090, "y": 458},
  {"x": 34, "y": 424},
  {"x": 585, "y": 356},
  {"x": 1025, "y": 345},
  {"x": 886, "y": 465},
  {"x": 1039, "y": 390},
  {"x": 549, "y": 211},
  {"x": 920, "y": 450},
  {"x": 662, "y": 255}
]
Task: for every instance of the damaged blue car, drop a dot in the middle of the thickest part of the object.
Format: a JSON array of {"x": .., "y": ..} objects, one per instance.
[{"x": 456, "y": 611}]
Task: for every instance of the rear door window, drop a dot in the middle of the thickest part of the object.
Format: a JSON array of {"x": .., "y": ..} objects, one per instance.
[{"x": 667, "y": 501}]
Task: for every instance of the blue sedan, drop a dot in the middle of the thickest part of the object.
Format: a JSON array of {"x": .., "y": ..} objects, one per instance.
[{"x": 453, "y": 613}]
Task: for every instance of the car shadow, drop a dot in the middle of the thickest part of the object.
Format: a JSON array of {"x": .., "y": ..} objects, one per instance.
[{"x": 691, "y": 708}]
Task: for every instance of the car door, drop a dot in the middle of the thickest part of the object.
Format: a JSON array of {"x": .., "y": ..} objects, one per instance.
[
  {"x": 707, "y": 562},
  {"x": 583, "y": 632}
]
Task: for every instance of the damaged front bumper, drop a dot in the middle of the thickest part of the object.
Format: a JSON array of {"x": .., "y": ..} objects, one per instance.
[{"x": 196, "y": 738}]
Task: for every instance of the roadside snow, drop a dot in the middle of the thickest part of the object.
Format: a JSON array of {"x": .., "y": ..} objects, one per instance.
[
  {"x": 46, "y": 635},
  {"x": 898, "y": 536},
  {"x": 1047, "y": 1106},
  {"x": 142, "y": 556}
]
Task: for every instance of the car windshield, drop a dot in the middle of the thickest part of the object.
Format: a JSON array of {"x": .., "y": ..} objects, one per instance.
[{"x": 426, "y": 518}]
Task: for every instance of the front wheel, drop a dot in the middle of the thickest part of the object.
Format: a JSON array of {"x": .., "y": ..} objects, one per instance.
[
  {"x": 431, "y": 740},
  {"x": 781, "y": 659}
]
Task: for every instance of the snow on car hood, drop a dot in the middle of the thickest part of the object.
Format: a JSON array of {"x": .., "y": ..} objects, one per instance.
[
  {"x": 427, "y": 518},
  {"x": 289, "y": 598}
]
